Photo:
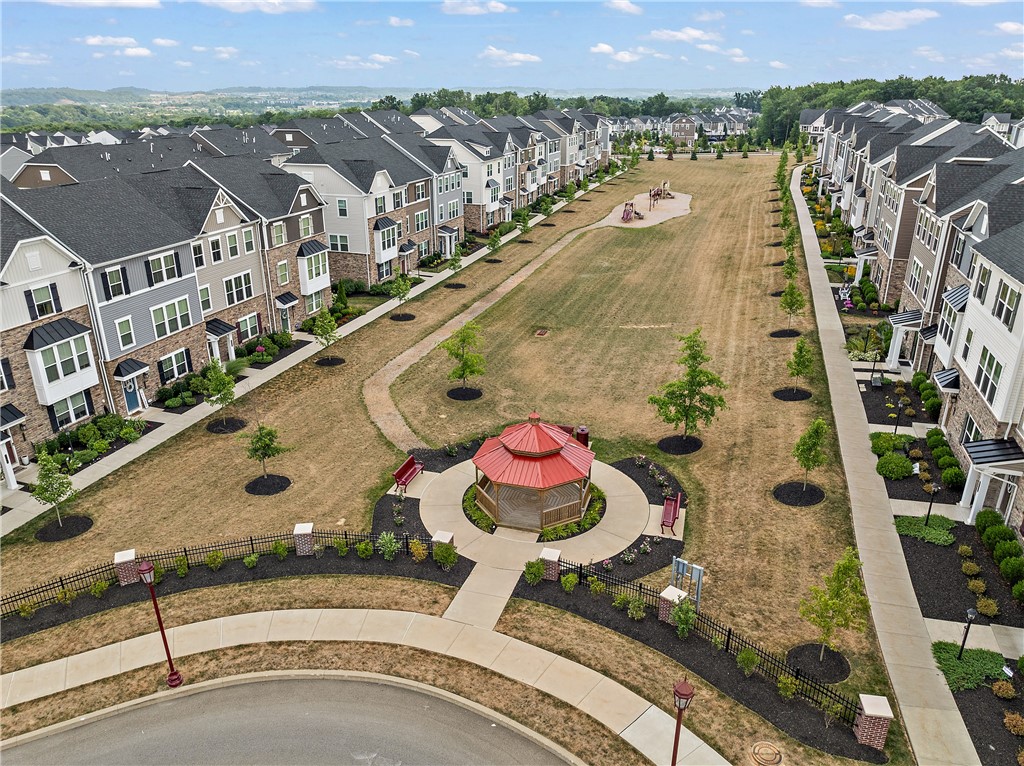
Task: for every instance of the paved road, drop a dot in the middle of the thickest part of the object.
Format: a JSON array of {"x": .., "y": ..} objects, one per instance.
[{"x": 290, "y": 722}]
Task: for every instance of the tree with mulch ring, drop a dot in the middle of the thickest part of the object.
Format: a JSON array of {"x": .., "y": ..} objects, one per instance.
[
  {"x": 831, "y": 668},
  {"x": 792, "y": 301},
  {"x": 469, "y": 363},
  {"x": 800, "y": 364},
  {"x": 525, "y": 241},
  {"x": 330, "y": 361},
  {"x": 455, "y": 285},
  {"x": 464, "y": 393},
  {"x": 405, "y": 317},
  {"x": 496, "y": 260},
  {"x": 225, "y": 425},
  {"x": 220, "y": 391},
  {"x": 325, "y": 330},
  {"x": 779, "y": 263},
  {"x": 776, "y": 294},
  {"x": 789, "y": 333},
  {"x": 547, "y": 224},
  {"x": 791, "y": 394},
  {"x": 71, "y": 526},
  {"x": 399, "y": 289},
  {"x": 795, "y": 494},
  {"x": 680, "y": 444},
  {"x": 53, "y": 487},
  {"x": 840, "y": 605},
  {"x": 263, "y": 445},
  {"x": 809, "y": 449}
]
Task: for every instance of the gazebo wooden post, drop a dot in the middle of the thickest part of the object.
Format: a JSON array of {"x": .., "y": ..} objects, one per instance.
[{"x": 497, "y": 512}]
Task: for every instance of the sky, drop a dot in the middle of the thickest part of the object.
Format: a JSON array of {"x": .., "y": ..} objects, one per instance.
[{"x": 191, "y": 45}]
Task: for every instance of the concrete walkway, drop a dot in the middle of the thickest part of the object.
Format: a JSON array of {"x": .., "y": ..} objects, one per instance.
[
  {"x": 1009, "y": 642},
  {"x": 930, "y": 715},
  {"x": 645, "y": 726}
]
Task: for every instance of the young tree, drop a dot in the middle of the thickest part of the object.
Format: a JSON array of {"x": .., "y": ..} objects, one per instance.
[
  {"x": 693, "y": 153},
  {"x": 53, "y": 486},
  {"x": 220, "y": 387},
  {"x": 585, "y": 183},
  {"x": 718, "y": 153},
  {"x": 841, "y": 603},
  {"x": 802, "y": 361},
  {"x": 546, "y": 207},
  {"x": 789, "y": 267},
  {"x": 455, "y": 260},
  {"x": 461, "y": 347},
  {"x": 691, "y": 399},
  {"x": 325, "y": 329},
  {"x": 494, "y": 241},
  {"x": 263, "y": 445},
  {"x": 809, "y": 449},
  {"x": 570, "y": 190},
  {"x": 744, "y": 152},
  {"x": 792, "y": 301},
  {"x": 784, "y": 218},
  {"x": 650, "y": 155},
  {"x": 399, "y": 288},
  {"x": 789, "y": 241}
]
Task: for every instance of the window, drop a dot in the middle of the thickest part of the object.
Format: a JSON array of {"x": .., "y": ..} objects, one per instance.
[
  {"x": 974, "y": 265},
  {"x": 398, "y": 200},
  {"x": 282, "y": 272},
  {"x": 44, "y": 175},
  {"x": 277, "y": 234},
  {"x": 958, "y": 251},
  {"x": 302, "y": 200},
  {"x": 421, "y": 191},
  {"x": 197, "y": 255},
  {"x": 287, "y": 136},
  {"x": 315, "y": 302},
  {"x": 987, "y": 376},
  {"x": 424, "y": 248},
  {"x": 171, "y": 318},
  {"x": 457, "y": 183},
  {"x": 306, "y": 226},
  {"x": 238, "y": 288},
  {"x": 115, "y": 283},
  {"x": 249, "y": 327},
  {"x": 926, "y": 288},
  {"x": 173, "y": 365},
  {"x": 339, "y": 242},
  {"x": 453, "y": 209},
  {"x": 163, "y": 268},
  {"x": 388, "y": 238},
  {"x": 981, "y": 286},
  {"x": 490, "y": 168},
  {"x": 1007, "y": 300},
  {"x": 947, "y": 321},
  {"x": 380, "y": 205},
  {"x": 65, "y": 358},
  {"x": 43, "y": 301},
  {"x": 494, "y": 194},
  {"x": 232, "y": 245},
  {"x": 510, "y": 183},
  {"x": 971, "y": 431},
  {"x": 440, "y": 184},
  {"x": 343, "y": 208},
  {"x": 216, "y": 256},
  {"x": 383, "y": 271},
  {"x": 421, "y": 221},
  {"x": 248, "y": 241},
  {"x": 967, "y": 344},
  {"x": 69, "y": 410},
  {"x": 467, "y": 197},
  {"x": 440, "y": 212},
  {"x": 316, "y": 265}
]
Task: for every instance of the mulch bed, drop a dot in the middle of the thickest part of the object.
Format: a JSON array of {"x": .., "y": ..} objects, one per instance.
[
  {"x": 911, "y": 488},
  {"x": 401, "y": 317},
  {"x": 455, "y": 286},
  {"x": 791, "y": 394},
  {"x": 663, "y": 549},
  {"x": 642, "y": 476},
  {"x": 525, "y": 241},
  {"x": 875, "y": 399},
  {"x": 73, "y": 526},
  {"x": 119, "y": 443},
  {"x": 4, "y": 509},
  {"x": 568, "y": 211},
  {"x": 776, "y": 294},
  {"x": 549, "y": 225},
  {"x": 225, "y": 425},
  {"x": 464, "y": 393},
  {"x": 271, "y": 484},
  {"x": 330, "y": 361},
  {"x": 793, "y": 493},
  {"x": 942, "y": 588},
  {"x": 281, "y": 354},
  {"x": 832, "y": 669},
  {"x": 790, "y": 333},
  {"x": 680, "y": 445},
  {"x": 384, "y": 521},
  {"x": 439, "y": 461},
  {"x": 778, "y": 263},
  {"x": 183, "y": 408},
  {"x": 495, "y": 260},
  {"x": 982, "y": 712},
  {"x": 267, "y": 568},
  {"x": 797, "y": 718}
]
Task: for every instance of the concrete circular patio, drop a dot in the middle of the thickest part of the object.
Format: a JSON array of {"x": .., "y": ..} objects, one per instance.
[{"x": 625, "y": 518}]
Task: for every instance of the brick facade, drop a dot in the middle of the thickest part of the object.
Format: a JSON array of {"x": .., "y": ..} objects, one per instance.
[
  {"x": 289, "y": 252},
  {"x": 894, "y": 272},
  {"x": 193, "y": 338}
]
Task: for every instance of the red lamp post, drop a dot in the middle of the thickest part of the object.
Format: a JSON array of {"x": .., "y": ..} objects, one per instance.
[
  {"x": 683, "y": 694},
  {"x": 174, "y": 678}
]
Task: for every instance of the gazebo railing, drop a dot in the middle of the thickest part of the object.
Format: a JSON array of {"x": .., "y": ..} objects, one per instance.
[
  {"x": 485, "y": 500},
  {"x": 561, "y": 514}
]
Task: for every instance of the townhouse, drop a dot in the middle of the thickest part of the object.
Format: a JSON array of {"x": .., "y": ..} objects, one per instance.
[
  {"x": 682, "y": 129},
  {"x": 549, "y": 153},
  {"x": 302, "y": 133},
  {"x": 526, "y": 144}
]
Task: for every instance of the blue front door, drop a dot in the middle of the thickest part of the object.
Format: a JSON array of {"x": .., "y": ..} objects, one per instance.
[{"x": 131, "y": 395}]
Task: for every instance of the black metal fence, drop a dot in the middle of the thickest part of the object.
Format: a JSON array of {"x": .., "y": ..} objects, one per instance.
[
  {"x": 193, "y": 555},
  {"x": 833, "y": 702}
]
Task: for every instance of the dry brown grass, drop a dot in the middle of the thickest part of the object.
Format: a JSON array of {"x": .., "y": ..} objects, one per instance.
[
  {"x": 536, "y": 710},
  {"x": 321, "y": 592}
]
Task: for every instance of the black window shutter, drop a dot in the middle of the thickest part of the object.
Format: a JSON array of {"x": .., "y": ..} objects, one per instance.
[
  {"x": 259, "y": 323},
  {"x": 124, "y": 280},
  {"x": 149, "y": 273},
  {"x": 56, "y": 297},
  {"x": 106, "y": 285},
  {"x": 188, "y": 360},
  {"x": 238, "y": 331},
  {"x": 162, "y": 371},
  {"x": 5, "y": 364},
  {"x": 177, "y": 264},
  {"x": 53, "y": 418},
  {"x": 33, "y": 314},
  {"x": 88, "y": 402}
]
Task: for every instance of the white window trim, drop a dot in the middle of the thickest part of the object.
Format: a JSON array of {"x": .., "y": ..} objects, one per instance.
[
  {"x": 164, "y": 306},
  {"x": 202, "y": 252},
  {"x": 209, "y": 292},
  {"x": 274, "y": 228},
  {"x": 238, "y": 247},
  {"x": 248, "y": 245},
  {"x": 252, "y": 318},
  {"x": 71, "y": 410},
  {"x": 231, "y": 279},
  {"x": 131, "y": 328},
  {"x": 277, "y": 272},
  {"x": 303, "y": 221},
  {"x": 171, "y": 357},
  {"x": 220, "y": 249},
  {"x": 116, "y": 270}
]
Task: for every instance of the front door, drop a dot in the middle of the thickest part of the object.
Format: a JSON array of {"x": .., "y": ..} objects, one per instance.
[
  {"x": 131, "y": 394},
  {"x": 285, "y": 323}
]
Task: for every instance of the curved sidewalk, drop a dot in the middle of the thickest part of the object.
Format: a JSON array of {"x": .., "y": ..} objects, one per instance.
[
  {"x": 645, "y": 726},
  {"x": 936, "y": 730}
]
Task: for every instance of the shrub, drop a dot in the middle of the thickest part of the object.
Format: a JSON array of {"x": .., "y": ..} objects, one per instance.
[
  {"x": 917, "y": 380},
  {"x": 1004, "y": 690},
  {"x": 1018, "y": 593},
  {"x": 214, "y": 560},
  {"x": 985, "y": 519},
  {"x": 250, "y": 560},
  {"x": 533, "y": 571},
  {"x": 181, "y": 566},
  {"x": 66, "y": 596},
  {"x": 387, "y": 545},
  {"x": 280, "y": 549},
  {"x": 99, "y": 446},
  {"x": 926, "y": 388},
  {"x": 158, "y": 572},
  {"x": 940, "y": 452},
  {"x": 1012, "y": 569},
  {"x": 188, "y": 398},
  {"x": 915, "y": 454},
  {"x": 418, "y": 551},
  {"x": 882, "y": 442},
  {"x": 84, "y": 456},
  {"x": 970, "y": 569},
  {"x": 27, "y": 610},
  {"x": 965, "y": 551},
  {"x": 933, "y": 407},
  {"x": 1007, "y": 549},
  {"x": 997, "y": 534},
  {"x": 894, "y": 466},
  {"x": 98, "y": 588},
  {"x": 925, "y": 477},
  {"x": 953, "y": 478},
  {"x": 937, "y": 441},
  {"x": 684, "y": 617},
  {"x": 1014, "y": 723},
  {"x": 946, "y": 462},
  {"x": 445, "y": 556},
  {"x": 364, "y": 549},
  {"x": 569, "y": 582},
  {"x": 596, "y": 586},
  {"x": 748, "y": 660},
  {"x": 936, "y": 532},
  {"x": 341, "y": 546},
  {"x": 787, "y": 687},
  {"x": 637, "y": 609},
  {"x": 174, "y": 401},
  {"x": 971, "y": 671},
  {"x": 987, "y": 606},
  {"x": 977, "y": 587},
  {"x": 620, "y": 601},
  {"x": 129, "y": 434}
]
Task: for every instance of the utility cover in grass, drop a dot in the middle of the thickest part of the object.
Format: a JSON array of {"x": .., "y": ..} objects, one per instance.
[
  {"x": 402, "y": 317},
  {"x": 791, "y": 394},
  {"x": 73, "y": 527},
  {"x": 271, "y": 484},
  {"x": 680, "y": 445},
  {"x": 789, "y": 333},
  {"x": 793, "y": 493},
  {"x": 464, "y": 393},
  {"x": 832, "y": 669},
  {"x": 330, "y": 361},
  {"x": 225, "y": 425}
]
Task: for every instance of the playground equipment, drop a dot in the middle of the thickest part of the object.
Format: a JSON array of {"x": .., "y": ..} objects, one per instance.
[
  {"x": 627, "y": 212},
  {"x": 688, "y": 577},
  {"x": 666, "y": 192}
]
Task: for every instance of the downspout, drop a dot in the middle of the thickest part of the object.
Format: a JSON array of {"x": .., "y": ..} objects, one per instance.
[
  {"x": 267, "y": 279},
  {"x": 90, "y": 302}
]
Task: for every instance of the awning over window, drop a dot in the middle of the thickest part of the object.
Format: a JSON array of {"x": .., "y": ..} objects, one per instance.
[
  {"x": 311, "y": 247},
  {"x": 491, "y": 183},
  {"x": 448, "y": 231},
  {"x": 948, "y": 381},
  {"x": 129, "y": 368},
  {"x": 406, "y": 247},
  {"x": 507, "y": 201},
  {"x": 11, "y": 416},
  {"x": 994, "y": 452},
  {"x": 218, "y": 328},
  {"x": 957, "y": 297},
  {"x": 286, "y": 300},
  {"x": 866, "y": 252},
  {"x": 531, "y": 166},
  {"x": 909, "y": 319},
  {"x": 384, "y": 223},
  {"x": 54, "y": 332}
]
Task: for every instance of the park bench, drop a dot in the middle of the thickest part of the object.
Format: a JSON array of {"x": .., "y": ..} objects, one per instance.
[
  {"x": 408, "y": 471},
  {"x": 670, "y": 513}
]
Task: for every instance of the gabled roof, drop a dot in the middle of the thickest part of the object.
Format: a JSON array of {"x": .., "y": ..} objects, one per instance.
[
  {"x": 257, "y": 185},
  {"x": 360, "y": 160},
  {"x": 391, "y": 120},
  {"x": 92, "y": 161},
  {"x": 1006, "y": 250},
  {"x": 431, "y": 155},
  {"x": 438, "y": 115},
  {"x": 184, "y": 194},
  {"x": 808, "y": 116},
  {"x": 248, "y": 141},
  {"x": 475, "y": 138},
  {"x": 321, "y": 131},
  {"x": 15, "y": 229}
]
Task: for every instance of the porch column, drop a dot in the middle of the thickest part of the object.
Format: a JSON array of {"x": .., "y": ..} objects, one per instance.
[
  {"x": 893, "y": 360},
  {"x": 979, "y": 497},
  {"x": 972, "y": 480},
  {"x": 9, "y": 480}
]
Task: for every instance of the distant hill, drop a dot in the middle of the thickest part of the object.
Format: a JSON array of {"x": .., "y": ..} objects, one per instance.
[{"x": 35, "y": 96}]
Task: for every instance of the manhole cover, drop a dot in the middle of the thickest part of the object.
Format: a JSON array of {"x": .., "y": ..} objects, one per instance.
[
  {"x": 541, "y": 333},
  {"x": 765, "y": 754}
]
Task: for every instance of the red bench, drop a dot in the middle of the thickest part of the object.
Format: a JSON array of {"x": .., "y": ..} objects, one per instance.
[
  {"x": 670, "y": 513},
  {"x": 409, "y": 470}
]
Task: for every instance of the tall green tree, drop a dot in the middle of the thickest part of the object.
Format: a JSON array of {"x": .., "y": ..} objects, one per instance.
[
  {"x": 263, "y": 445},
  {"x": 802, "y": 361},
  {"x": 840, "y": 604},
  {"x": 792, "y": 301},
  {"x": 461, "y": 348},
  {"x": 809, "y": 449},
  {"x": 693, "y": 399},
  {"x": 53, "y": 486}
]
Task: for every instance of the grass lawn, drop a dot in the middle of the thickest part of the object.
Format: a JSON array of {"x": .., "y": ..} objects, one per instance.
[{"x": 366, "y": 302}]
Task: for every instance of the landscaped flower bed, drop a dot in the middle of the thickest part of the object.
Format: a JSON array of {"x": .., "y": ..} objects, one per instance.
[
  {"x": 440, "y": 460},
  {"x": 899, "y": 453},
  {"x": 655, "y": 480},
  {"x": 882, "y": 404},
  {"x": 100, "y": 437}
]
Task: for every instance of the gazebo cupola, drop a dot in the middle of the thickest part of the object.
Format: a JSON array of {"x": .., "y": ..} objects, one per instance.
[{"x": 534, "y": 475}]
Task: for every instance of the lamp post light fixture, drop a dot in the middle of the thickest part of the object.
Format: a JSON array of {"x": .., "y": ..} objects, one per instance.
[
  {"x": 174, "y": 678},
  {"x": 972, "y": 615},
  {"x": 683, "y": 694},
  {"x": 931, "y": 499}
]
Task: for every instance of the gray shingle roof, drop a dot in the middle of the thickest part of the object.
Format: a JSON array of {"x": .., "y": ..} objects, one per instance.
[
  {"x": 53, "y": 332},
  {"x": 248, "y": 141},
  {"x": 1006, "y": 250},
  {"x": 360, "y": 160},
  {"x": 257, "y": 185},
  {"x": 15, "y": 229},
  {"x": 321, "y": 131},
  {"x": 92, "y": 161}
]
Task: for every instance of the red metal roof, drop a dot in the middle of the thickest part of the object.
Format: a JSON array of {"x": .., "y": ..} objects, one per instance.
[{"x": 543, "y": 466}]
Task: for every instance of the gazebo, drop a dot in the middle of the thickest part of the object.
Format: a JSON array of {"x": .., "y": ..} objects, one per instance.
[{"x": 534, "y": 475}]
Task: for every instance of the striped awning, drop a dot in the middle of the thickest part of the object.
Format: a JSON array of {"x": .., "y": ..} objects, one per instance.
[
  {"x": 129, "y": 368},
  {"x": 909, "y": 319},
  {"x": 957, "y": 297},
  {"x": 948, "y": 380},
  {"x": 928, "y": 333},
  {"x": 866, "y": 252},
  {"x": 994, "y": 452}
]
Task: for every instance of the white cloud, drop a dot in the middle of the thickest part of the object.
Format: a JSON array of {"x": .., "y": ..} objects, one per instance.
[
  {"x": 709, "y": 16},
  {"x": 502, "y": 58},
  {"x": 602, "y": 48},
  {"x": 105, "y": 3},
  {"x": 749, "y": 32},
  {"x": 224, "y": 52},
  {"x": 683, "y": 58},
  {"x": 928, "y": 52},
  {"x": 739, "y": 59},
  {"x": 408, "y": 52},
  {"x": 163, "y": 42},
  {"x": 249, "y": 62},
  {"x": 394, "y": 21},
  {"x": 624, "y": 6},
  {"x": 354, "y": 62},
  {"x": 661, "y": 56},
  {"x": 709, "y": 48},
  {"x": 626, "y": 57},
  {"x": 889, "y": 21},
  {"x": 685, "y": 35},
  {"x": 732, "y": 52},
  {"x": 979, "y": 62},
  {"x": 474, "y": 7},
  {"x": 183, "y": 63},
  {"x": 98, "y": 55},
  {"x": 105, "y": 40},
  {"x": 126, "y": 73},
  {"x": 820, "y": 3},
  {"x": 1015, "y": 51},
  {"x": 382, "y": 59},
  {"x": 25, "y": 58},
  {"x": 137, "y": 52},
  {"x": 1011, "y": 27},
  {"x": 778, "y": 65},
  {"x": 263, "y": 6}
]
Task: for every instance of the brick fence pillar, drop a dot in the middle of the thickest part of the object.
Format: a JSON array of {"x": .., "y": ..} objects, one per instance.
[
  {"x": 443, "y": 537},
  {"x": 667, "y": 601},
  {"x": 127, "y": 567},
  {"x": 552, "y": 564},
  {"x": 873, "y": 718},
  {"x": 303, "y": 536}
]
